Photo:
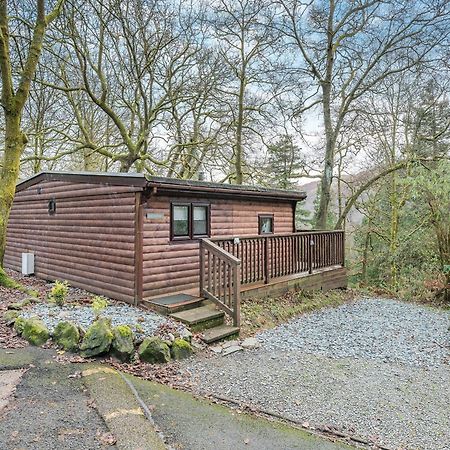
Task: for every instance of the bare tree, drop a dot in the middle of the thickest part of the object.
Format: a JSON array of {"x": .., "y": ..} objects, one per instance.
[
  {"x": 347, "y": 48},
  {"x": 15, "y": 92}
]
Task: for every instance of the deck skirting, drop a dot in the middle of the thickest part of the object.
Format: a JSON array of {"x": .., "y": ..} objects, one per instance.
[{"x": 322, "y": 279}]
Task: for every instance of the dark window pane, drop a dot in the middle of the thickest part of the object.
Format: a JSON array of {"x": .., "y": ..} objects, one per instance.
[
  {"x": 180, "y": 221},
  {"x": 200, "y": 220},
  {"x": 266, "y": 225}
]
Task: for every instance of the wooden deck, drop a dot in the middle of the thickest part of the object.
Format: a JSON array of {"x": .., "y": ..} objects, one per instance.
[{"x": 268, "y": 265}]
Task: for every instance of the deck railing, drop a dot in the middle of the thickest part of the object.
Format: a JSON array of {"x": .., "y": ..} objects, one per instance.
[
  {"x": 273, "y": 256},
  {"x": 220, "y": 279}
]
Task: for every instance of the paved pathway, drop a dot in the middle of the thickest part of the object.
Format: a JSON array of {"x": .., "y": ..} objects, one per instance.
[{"x": 79, "y": 406}]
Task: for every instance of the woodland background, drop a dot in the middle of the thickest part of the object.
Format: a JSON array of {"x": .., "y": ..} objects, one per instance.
[{"x": 346, "y": 99}]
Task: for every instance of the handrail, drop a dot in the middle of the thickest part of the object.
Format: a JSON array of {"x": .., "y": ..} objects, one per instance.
[
  {"x": 264, "y": 257},
  {"x": 220, "y": 278},
  {"x": 262, "y": 236}
]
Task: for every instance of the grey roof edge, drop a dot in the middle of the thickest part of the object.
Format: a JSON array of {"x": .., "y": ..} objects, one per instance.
[{"x": 163, "y": 184}]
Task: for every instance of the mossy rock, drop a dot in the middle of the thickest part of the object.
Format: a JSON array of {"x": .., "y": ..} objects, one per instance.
[
  {"x": 19, "y": 305},
  {"x": 67, "y": 336},
  {"x": 19, "y": 325},
  {"x": 180, "y": 349},
  {"x": 10, "y": 317},
  {"x": 154, "y": 350},
  {"x": 98, "y": 338},
  {"x": 35, "y": 331},
  {"x": 122, "y": 344}
]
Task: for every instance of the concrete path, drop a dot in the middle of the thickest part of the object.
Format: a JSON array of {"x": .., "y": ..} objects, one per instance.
[{"x": 90, "y": 406}]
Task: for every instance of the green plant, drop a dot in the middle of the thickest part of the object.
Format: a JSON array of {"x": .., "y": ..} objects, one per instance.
[
  {"x": 59, "y": 292},
  {"x": 99, "y": 303}
]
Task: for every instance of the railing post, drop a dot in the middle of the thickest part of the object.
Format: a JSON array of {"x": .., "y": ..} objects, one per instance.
[
  {"x": 310, "y": 254},
  {"x": 266, "y": 260},
  {"x": 343, "y": 249},
  {"x": 237, "y": 295},
  {"x": 202, "y": 267}
]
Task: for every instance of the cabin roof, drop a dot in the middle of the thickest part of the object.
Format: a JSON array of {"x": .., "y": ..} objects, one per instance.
[{"x": 169, "y": 186}]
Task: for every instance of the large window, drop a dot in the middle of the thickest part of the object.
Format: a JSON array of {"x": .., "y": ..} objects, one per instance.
[
  {"x": 189, "y": 220},
  {"x": 265, "y": 223}
]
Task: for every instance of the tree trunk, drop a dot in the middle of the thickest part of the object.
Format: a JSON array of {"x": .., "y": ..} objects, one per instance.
[{"x": 15, "y": 141}]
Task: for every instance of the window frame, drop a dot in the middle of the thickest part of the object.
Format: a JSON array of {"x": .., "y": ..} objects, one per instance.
[
  {"x": 260, "y": 219},
  {"x": 190, "y": 236}
]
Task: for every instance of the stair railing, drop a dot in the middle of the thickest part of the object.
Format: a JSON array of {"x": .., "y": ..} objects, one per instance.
[{"x": 220, "y": 278}]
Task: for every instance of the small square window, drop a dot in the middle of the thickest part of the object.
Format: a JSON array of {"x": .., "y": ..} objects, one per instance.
[
  {"x": 265, "y": 224},
  {"x": 200, "y": 221},
  {"x": 180, "y": 223}
]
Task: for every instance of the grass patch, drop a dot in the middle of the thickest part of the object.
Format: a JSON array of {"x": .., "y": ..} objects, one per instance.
[{"x": 262, "y": 313}]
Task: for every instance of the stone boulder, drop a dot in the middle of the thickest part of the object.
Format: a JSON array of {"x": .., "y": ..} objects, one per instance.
[
  {"x": 67, "y": 336},
  {"x": 98, "y": 339},
  {"x": 35, "y": 331},
  {"x": 122, "y": 344},
  {"x": 154, "y": 350},
  {"x": 10, "y": 317},
  {"x": 180, "y": 349}
]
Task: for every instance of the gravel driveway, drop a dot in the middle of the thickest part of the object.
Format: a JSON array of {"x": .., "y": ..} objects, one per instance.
[{"x": 377, "y": 369}]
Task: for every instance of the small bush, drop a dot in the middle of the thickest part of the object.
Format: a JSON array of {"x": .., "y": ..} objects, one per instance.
[
  {"x": 99, "y": 303},
  {"x": 59, "y": 292}
]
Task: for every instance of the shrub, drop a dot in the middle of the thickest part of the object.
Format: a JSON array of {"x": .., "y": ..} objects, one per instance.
[
  {"x": 99, "y": 303},
  {"x": 59, "y": 292}
]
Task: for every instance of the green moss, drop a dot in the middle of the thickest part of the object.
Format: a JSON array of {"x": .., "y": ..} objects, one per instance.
[
  {"x": 98, "y": 338},
  {"x": 35, "y": 331},
  {"x": 124, "y": 331},
  {"x": 8, "y": 282},
  {"x": 122, "y": 345},
  {"x": 154, "y": 350},
  {"x": 10, "y": 317},
  {"x": 19, "y": 325},
  {"x": 180, "y": 349},
  {"x": 67, "y": 336}
]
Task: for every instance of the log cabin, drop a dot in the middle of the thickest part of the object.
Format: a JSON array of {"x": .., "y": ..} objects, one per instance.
[{"x": 170, "y": 244}]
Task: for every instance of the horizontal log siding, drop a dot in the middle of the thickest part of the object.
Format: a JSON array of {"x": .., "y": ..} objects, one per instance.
[
  {"x": 89, "y": 241},
  {"x": 174, "y": 266}
]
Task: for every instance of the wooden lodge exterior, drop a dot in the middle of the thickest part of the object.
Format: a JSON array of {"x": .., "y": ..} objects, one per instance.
[{"x": 137, "y": 239}]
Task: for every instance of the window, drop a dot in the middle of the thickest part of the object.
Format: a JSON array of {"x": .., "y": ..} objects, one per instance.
[
  {"x": 265, "y": 223},
  {"x": 180, "y": 220},
  {"x": 200, "y": 221},
  {"x": 189, "y": 220},
  {"x": 52, "y": 207}
]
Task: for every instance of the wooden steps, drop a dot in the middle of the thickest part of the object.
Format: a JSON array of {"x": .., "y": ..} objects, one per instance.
[
  {"x": 219, "y": 333},
  {"x": 200, "y": 318},
  {"x": 171, "y": 304},
  {"x": 197, "y": 313}
]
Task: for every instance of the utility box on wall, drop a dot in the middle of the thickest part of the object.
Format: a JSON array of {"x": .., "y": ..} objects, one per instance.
[{"x": 27, "y": 263}]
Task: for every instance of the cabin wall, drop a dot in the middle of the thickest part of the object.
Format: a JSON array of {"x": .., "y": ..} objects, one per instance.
[
  {"x": 172, "y": 266},
  {"x": 90, "y": 241}
]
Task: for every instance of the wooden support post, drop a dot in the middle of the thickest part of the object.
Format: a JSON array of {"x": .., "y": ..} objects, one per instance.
[
  {"x": 310, "y": 254},
  {"x": 266, "y": 261},
  {"x": 202, "y": 267},
  {"x": 237, "y": 295}
]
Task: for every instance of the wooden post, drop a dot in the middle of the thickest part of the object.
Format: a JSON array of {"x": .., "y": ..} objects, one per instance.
[
  {"x": 310, "y": 254},
  {"x": 237, "y": 295},
  {"x": 266, "y": 260},
  {"x": 343, "y": 248},
  {"x": 202, "y": 267}
]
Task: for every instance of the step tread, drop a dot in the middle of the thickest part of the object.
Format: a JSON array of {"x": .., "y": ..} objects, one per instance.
[
  {"x": 198, "y": 315},
  {"x": 173, "y": 307},
  {"x": 218, "y": 333}
]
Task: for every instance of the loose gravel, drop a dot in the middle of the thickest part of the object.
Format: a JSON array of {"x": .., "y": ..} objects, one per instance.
[
  {"x": 380, "y": 329},
  {"x": 377, "y": 369},
  {"x": 141, "y": 322}
]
